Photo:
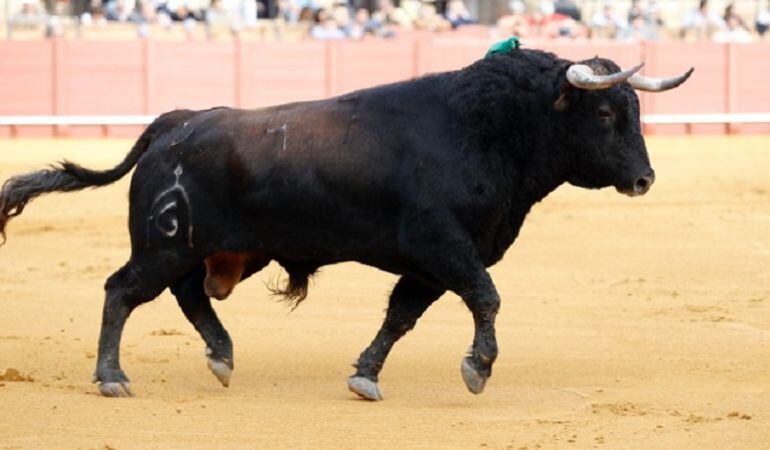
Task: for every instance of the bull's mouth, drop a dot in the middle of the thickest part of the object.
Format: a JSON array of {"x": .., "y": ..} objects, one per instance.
[{"x": 631, "y": 192}]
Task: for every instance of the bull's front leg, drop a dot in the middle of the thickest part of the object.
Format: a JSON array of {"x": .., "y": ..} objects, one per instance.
[
  {"x": 483, "y": 301},
  {"x": 450, "y": 256}
]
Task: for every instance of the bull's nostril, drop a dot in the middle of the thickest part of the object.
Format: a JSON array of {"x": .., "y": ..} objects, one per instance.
[{"x": 642, "y": 184}]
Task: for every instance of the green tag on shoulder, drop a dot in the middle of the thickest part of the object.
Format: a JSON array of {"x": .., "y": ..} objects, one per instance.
[{"x": 505, "y": 46}]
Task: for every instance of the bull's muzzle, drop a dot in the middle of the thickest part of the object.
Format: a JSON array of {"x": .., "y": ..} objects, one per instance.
[{"x": 640, "y": 186}]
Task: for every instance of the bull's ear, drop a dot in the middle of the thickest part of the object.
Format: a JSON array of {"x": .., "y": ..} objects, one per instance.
[{"x": 562, "y": 103}]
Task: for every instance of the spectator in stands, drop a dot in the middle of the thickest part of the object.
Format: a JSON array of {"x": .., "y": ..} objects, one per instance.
[
  {"x": 735, "y": 31},
  {"x": 118, "y": 10},
  {"x": 411, "y": 8},
  {"x": 249, "y": 12},
  {"x": 729, "y": 12},
  {"x": 547, "y": 23},
  {"x": 358, "y": 25},
  {"x": 341, "y": 16},
  {"x": 94, "y": 16},
  {"x": 702, "y": 23},
  {"x": 222, "y": 16},
  {"x": 431, "y": 20},
  {"x": 180, "y": 11},
  {"x": 263, "y": 9},
  {"x": 654, "y": 17},
  {"x": 763, "y": 21},
  {"x": 605, "y": 23},
  {"x": 388, "y": 14},
  {"x": 306, "y": 15},
  {"x": 291, "y": 10},
  {"x": 378, "y": 23},
  {"x": 457, "y": 13},
  {"x": 54, "y": 27},
  {"x": 517, "y": 7},
  {"x": 638, "y": 30},
  {"x": 325, "y": 27},
  {"x": 32, "y": 14},
  {"x": 144, "y": 12},
  {"x": 539, "y": 19},
  {"x": 516, "y": 23},
  {"x": 288, "y": 10},
  {"x": 568, "y": 8},
  {"x": 644, "y": 24},
  {"x": 162, "y": 15},
  {"x": 142, "y": 15},
  {"x": 736, "y": 27},
  {"x": 364, "y": 22},
  {"x": 634, "y": 11}
]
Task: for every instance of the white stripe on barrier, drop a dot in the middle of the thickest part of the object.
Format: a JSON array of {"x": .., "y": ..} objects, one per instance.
[
  {"x": 652, "y": 119},
  {"x": 76, "y": 120}
]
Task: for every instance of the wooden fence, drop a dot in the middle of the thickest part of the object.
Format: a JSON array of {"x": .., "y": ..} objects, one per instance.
[{"x": 146, "y": 77}]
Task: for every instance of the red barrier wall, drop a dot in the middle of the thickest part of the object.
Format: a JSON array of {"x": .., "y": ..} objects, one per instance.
[
  {"x": 101, "y": 78},
  {"x": 357, "y": 65},
  {"x": 749, "y": 67},
  {"x": 274, "y": 74},
  {"x": 191, "y": 76},
  {"x": 442, "y": 54},
  {"x": 27, "y": 87},
  {"x": 705, "y": 92},
  {"x": 147, "y": 77}
]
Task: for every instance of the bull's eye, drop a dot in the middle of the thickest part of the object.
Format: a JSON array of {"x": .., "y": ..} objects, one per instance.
[{"x": 604, "y": 113}]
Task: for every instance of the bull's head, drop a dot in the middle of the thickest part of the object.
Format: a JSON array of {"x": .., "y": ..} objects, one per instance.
[{"x": 600, "y": 111}]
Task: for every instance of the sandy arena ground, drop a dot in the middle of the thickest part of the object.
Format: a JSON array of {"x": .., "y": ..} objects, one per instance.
[{"x": 626, "y": 323}]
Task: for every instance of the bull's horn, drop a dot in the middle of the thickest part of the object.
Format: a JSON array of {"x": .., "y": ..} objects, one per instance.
[
  {"x": 583, "y": 77},
  {"x": 651, "y": 84}
]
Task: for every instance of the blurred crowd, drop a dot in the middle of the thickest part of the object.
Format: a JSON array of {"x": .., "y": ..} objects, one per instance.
[
  {"x": 385, "y": 20},
  {"x": 323, "y": 19},
  {"x": 355, "y": 19},
  {"x": 642, "y": 21}
]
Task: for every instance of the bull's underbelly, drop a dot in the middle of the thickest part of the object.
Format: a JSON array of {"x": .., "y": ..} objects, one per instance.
[{"x": 252, "y": 241}]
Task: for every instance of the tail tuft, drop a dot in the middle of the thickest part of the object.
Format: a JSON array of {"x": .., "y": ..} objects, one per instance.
[
  {"x": 294, "y": 290},
  {"x": 21, "y": 189}
]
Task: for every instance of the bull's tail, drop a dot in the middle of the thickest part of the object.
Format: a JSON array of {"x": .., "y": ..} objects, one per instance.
[
  {"x": 65, "y": 176},
  {"x": 295, "y": 288}
]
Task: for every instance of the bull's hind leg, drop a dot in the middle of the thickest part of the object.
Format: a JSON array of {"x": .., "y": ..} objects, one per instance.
[
  {"x": 124, "y": 292},
  {"x": 196, "y": 306},
  {"x": 409, "y": 300},
  {"x": 135, "y": 283}
]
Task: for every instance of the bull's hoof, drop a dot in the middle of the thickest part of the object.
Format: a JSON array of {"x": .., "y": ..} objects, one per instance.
[
  {"x": 116, "y": 389},
  {"x": 113, "y": 382},
  {"x": 221, "y": 370},
  {"x": 473, "y": 379},
  {"x": 365, "y": 388}
]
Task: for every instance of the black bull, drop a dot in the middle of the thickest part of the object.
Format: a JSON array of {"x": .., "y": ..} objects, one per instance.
[{"x": 430, "y": 179}]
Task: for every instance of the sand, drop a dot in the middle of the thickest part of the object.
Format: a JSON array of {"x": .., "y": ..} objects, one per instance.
[{"x": 625, "y": 323}]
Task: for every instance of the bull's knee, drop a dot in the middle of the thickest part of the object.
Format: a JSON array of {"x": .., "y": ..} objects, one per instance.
[{"x": 223, "y": 271}]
